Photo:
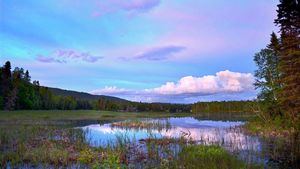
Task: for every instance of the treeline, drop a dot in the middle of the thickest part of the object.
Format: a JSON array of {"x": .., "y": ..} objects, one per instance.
[
  {"x": 104, "y": 104},
  {"x": 17, "y": 92},
  {"x": 225, "y": 107},
  {"x": 278, "y": 73}
]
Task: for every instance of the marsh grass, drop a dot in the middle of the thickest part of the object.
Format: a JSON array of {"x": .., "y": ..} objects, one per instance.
[
  {"x": 281, "y": 141},
  {"x": 48, "y": 139},
  {"x": 62, "y": 117},
  {"x": 209, "y": 157},
  {"x": 53, "y": 147},
  {"x": 143, "y": 124}
]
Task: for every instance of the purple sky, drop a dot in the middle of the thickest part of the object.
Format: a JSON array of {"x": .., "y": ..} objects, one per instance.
[{"x": 143, "y": 50}]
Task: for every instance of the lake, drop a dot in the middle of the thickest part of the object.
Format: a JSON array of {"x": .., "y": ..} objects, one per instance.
[{"x": 228, "y": 134}]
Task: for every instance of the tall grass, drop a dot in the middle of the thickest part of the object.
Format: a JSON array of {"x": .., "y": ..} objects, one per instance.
[{"x": 50, "y": 146}]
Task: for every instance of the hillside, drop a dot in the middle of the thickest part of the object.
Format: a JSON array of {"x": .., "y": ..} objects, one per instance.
[{"x": 83, "y": 95}]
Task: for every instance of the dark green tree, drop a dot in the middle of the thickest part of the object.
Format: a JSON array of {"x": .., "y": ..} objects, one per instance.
[
  {"x": 9, "y": 94},
  {"x": 288, "y": 20},
  {"x": 27, "y": 77},
  {"x": 1, "y": 90}
]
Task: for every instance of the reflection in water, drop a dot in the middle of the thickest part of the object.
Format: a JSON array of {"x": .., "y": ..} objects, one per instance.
[
  {"x": 225, "y": 133},
  {"x": 205, "y": 132}
]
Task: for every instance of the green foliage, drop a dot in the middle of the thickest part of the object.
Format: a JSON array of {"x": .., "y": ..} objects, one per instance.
[
  {"x": 1, "y": 102},
  {"x": 18, "y": 93},
  {"x": 208, "y": 157},
  {"x": 112, "y": 161},
  {"x": 288, "y": 21},
  {"x": 127, "y": 106},
  {"x": 87, "y": 156},
  {"x": 224, "y": 107},
  {"x": 278, "y": 71},
  {"x": 268, "y": 77}
]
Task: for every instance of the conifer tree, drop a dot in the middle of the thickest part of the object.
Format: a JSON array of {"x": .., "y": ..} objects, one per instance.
[{"x": 288, "y": 19}]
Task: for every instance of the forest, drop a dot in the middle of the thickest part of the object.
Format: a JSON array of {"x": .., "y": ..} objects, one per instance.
[
  {"x": 225, "y": 107},
  {"x": 19, "y": 93},
  {"x": 278, "y": 71}
]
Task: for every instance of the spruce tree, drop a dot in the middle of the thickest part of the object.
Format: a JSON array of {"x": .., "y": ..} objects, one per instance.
[
  {"x": 7, "y": 85},
  {"x": 288, "y": 19}
]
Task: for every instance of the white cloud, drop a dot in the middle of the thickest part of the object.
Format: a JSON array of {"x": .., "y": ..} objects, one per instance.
[
  {"x": 225, "y": 85},
  {"x": 223, "y": 82}
]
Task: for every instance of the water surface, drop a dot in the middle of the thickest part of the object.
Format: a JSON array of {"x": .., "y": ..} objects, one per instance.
[{"x": 227, "y": 134}]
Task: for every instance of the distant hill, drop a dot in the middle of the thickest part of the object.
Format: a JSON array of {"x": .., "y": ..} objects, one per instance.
[{"x": 83, "y": 95}]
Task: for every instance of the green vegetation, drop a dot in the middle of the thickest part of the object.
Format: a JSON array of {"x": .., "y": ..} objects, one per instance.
[
  {"x": 50, "y": 146},
  {"x": 289, "y": 58},
  {"x": 17, "y": 92},
  {"x": 145, "y": 124},
  {"x": 209, "y": 157},
  {"x": 66, "y": 116},
  {"x": 225, "y": 107},
  {"x": 40, "y": 133},
  {"x": 277, "y": 76}
]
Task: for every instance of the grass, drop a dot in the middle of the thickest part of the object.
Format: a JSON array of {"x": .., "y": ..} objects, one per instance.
[
  {"x": 53, "y": 146},
  {"x": 142, "y": 124},
  {"x": 44, "y": 138},
  {"x": 277, "y": 127},
  {"x": 209, "y": 157},
  {"x": 281, "y": 133},
  {"x": 30, "y": 139},
  {"x": 64, "y": 116}
]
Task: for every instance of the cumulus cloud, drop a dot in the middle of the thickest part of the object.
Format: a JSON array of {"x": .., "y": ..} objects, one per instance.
[
  {"x": 63, "y": 56},
  {"x": 223, "y": 82},
  {"x": 159, "y": 53},
  {"x": 225, "y": 85}
]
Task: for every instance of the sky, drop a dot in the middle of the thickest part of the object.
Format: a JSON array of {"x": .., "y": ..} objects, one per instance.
[{"x": 178, "y": 51}]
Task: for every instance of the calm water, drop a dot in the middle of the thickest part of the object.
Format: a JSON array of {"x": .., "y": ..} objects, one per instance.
[{"x": 228, "y": 134}]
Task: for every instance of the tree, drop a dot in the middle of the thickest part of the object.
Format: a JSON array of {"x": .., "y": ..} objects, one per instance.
[
  {"x": 288, "y": 19},
  {"x": 267, "y": 76},
  {"x": 7, "y": 88},
  {"x": 27, "y": 77},
  {"x": 1, "y": 90}
]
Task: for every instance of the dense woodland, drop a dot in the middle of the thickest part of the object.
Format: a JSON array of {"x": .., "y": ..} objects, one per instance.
[
  {"x": 19, "y": 93},
  {"x": 278, "y": 73},
  {"x": 225, "y": 107}
]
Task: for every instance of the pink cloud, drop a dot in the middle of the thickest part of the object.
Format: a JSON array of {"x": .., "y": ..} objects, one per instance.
[
  {"x": 63, "y": 56},
  {"x": 121, "y": 5},
  {"x": 224, "y": 83}
]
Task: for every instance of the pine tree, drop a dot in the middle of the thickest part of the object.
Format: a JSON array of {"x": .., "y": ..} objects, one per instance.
[{"x": 288, "y": 19}]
